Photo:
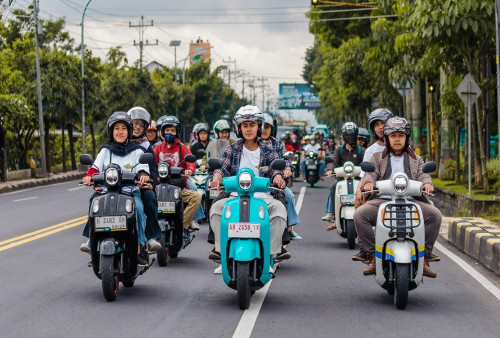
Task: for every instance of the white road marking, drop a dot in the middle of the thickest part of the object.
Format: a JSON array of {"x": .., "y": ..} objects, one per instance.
[
  {"x": 77, "y": 188},
  {"x": 25, "y": 199},
  {"x": 249, "y": 316},
  {"x": 470, "y": 270}
]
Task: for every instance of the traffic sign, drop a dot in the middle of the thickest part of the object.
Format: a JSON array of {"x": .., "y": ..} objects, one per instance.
[{"x": 468, "y": 88}]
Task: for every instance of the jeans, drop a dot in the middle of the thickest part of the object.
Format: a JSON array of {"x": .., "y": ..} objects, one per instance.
[
  {"x": 150, "y": 202},
  {"x": 200, "y": 214},
  {"x": 321, "y": 168},
  {"x": 330, "y": 202},
  {"x": 293, "y": 218}
]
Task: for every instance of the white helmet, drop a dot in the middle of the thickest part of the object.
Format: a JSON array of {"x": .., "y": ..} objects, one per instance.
[{"x": 248, "y": 113}]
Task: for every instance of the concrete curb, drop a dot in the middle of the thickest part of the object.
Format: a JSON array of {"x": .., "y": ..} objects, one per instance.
[
  {"x": 36, "y": 182},
  {"x": 477, "y": 238}
]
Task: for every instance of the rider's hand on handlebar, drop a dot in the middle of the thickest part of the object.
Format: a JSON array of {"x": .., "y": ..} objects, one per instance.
[
  {"x": 144, "y": 178},
  {"x": 329, "y": 173},
  {"x": 360, "y": 198},
  {"x": 203, "y": 168},
  {"x": 369, "y": 187},
  {"x": 188, "y": 172},
  {"x": 279, "y": 182},
  {"x": 216, "y": 180},
  {"x": 87, "y": 180},
  {"x": 287, "y": 172},
  {"x": 428, "y": 188}
]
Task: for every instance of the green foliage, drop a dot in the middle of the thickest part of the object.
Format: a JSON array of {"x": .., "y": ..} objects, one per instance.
[{"x": 492, "y": 168}]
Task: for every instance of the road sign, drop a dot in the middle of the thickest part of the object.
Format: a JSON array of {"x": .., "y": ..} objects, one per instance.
[{"x": 468, "y": 88}]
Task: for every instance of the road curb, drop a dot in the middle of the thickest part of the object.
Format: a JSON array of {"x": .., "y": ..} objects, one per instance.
[
  {"x": 37, "y": 182},
  {"x": 477, "y": 238}
]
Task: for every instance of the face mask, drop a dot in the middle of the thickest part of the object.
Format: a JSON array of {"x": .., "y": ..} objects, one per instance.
[{"x": 170, "y": 138}]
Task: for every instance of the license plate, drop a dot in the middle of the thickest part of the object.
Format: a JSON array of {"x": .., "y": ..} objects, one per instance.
[
  {"x": 111, "y": 222},
  {"x": 347, "y": 199},
  {"x": 214, "y": 193},
  {"x": 244, "y": 230},
  {"x": 166, "y": 207},
  {"x": 311, "y": 166}
]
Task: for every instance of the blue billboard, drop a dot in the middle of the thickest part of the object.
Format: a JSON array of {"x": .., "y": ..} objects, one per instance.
[{"x": 297, "y": 96}]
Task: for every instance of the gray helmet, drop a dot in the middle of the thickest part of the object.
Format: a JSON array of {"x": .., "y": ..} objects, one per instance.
[
  {"x": 202, "y": 126},
  {"x": 221, "y": 125},
  {"x": 364, "y": 134},
  {"x": 171, "y": 120},
  {"x": 248, "y": 113},
  {"x": 350, "y": 133},
  {"x": 380, "y": 114},
  {"x": 139, "y": 113},
  {"x": 119, "y": 116},
  {"x": 395, "y": 124},
  {"x": 272, "y": 122},
  {"x": 159, "y": 122}
]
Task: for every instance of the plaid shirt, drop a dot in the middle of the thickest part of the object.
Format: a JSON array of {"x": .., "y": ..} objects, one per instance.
[
  {"x": 279, "y": 147},
  {"x": 232, "y": 157}
]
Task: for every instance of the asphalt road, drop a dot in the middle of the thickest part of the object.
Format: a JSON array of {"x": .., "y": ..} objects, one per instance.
[{"x": 48, "y": 290}]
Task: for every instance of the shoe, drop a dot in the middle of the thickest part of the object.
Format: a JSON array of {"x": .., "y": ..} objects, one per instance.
[
  {"x": 194, "y": 225},
  {"x": 428, "y": 272},
  {"x": 284, "y": 254},
  {"x": 294, "y": 236},
  {"x": 186, "y": 234},
  {"x": 153, "y": 246},
  {"x": 371, "y": 268},
  {"x": 142, "y": 260},
  {"x": 218, "y": 270},
  {"x": 271, "y": 270},
  {"x": 361, "y": 256},
  {"x": 327, "y": 217},
  {"x": 331, "y": 227},
  {"x": 85, "y": 247},
  {"x": 214, "y": 255},
  {"x": 433, "y": 258},
  {"x": 322, "y": 178}
]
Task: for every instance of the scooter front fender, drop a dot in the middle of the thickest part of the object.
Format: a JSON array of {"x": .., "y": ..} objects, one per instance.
[
  {"x": 347, "y": 212},
  {"x": 244, "y": 249},
  {"x": 107, "y": 247},
  {"x": 399, "y": 252}
]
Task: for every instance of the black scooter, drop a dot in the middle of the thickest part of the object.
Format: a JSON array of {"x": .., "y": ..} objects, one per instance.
[
  {"x": 312, "y": 173},
  {"x": 113, "y": 228}
]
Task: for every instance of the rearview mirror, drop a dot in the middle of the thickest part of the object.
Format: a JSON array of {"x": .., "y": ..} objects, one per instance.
[
  {"x": 278, "y": 164},
  {"x": 86, "y": 159},
  {"x": 214, "y": 163},
  {"x": 146, "y": 158},
  {"x": 201, "y": 153},
  {"x": 429, "y": 167},
  {"x": 328, "y": 159},
  {"x": 190, "y": 158},
  {"x": 368, "y": 167}
]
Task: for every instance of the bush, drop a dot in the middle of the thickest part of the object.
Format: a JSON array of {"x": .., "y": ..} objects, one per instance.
[{"x": 492, "y": 168}]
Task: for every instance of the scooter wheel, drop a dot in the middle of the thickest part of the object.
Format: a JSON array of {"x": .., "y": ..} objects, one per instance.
[
  {"x": 401, "y": 287},
  {"x": 110, "y": 280},
  {"x": 243, "y": 284},
  {"x": 162, "y": 256}
]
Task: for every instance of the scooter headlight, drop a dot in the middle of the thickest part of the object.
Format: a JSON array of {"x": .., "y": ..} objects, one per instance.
[
  {"x": 128, "y": 205},
  {"x": 311, "y": 154},
  {"x": 177, "y": 194},
  {"x": 245, "y": 180},
  {"x": 348, "y": 169},
  {"x": 95, "y": 205},
  {"x": 400, "y": 184},
  {"x": 163, "y": 170},
  {"x": 112, "y": 176}
]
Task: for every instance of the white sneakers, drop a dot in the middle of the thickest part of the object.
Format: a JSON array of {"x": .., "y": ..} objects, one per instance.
[
  {"x": 153, "y": 246},
  {"x": 194, "y": 226},
  {"x": 85, "y": 247}
]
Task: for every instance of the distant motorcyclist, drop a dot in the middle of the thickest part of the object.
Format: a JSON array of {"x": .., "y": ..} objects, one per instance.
[
  {"x": 216, "y": 147},
  {"x": 314, "y": 147},
  {"x": 363, "y": 138},
  {"x": 201, "y": 133},
  {"x": 396, "y": 157},
  {"x": 152, "y": 134},
  {"x": 295, "y": 143}
]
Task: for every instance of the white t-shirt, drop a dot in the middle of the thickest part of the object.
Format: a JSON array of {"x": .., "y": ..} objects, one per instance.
[
  {"x": 251, "y": 159},
  {"x": 397, "y": 164},
  {"x": 309, "y": 147},
  {"x": 369, "y": 152}
]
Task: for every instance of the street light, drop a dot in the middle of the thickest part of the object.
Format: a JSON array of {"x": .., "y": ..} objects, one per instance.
[
  {"x": 175, "y": 44},
  {"x": 83, "y": 84}
]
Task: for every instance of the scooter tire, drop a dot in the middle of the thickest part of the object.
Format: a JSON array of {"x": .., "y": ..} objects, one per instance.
[
  {"x": 243, "y": 284},
  {"x": 162, "y": 256},
  {"x": 351, "y": 234},
  {"x": 401, "y": 287},
  {"x": 110, "y": 280}
]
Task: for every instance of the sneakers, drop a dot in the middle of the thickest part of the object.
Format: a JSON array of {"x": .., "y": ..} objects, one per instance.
[
  {"x": 284, "y": 254},
  {"x": 361, "y": 256},
  {"x": 142, "y": 258},
  {"x": 294, "y": 236},
  {"x": 218, "y": 270},
  {"x": 214, "y": 255},
  {"x": 194, "y": 225},
  {"x": 153, "y": 246},
  {"x": 327, "y": 217},
  {"x": 85, "y": 247}
]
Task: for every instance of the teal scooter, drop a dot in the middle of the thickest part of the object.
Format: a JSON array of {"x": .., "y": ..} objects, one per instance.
[{"x": 245, "y": 235}]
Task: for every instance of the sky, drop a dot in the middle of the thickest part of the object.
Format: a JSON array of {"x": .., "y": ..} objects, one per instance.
[{"x": 265, "y": 38}]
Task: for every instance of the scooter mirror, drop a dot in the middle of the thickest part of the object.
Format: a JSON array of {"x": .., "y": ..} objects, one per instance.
[
  {"x": 190, "y": 158},
  {"x": 201, "y": 153},
  {"x": 86, "y": 159},
  {"x": 146, "y": 158},
  {"x": 429, "y": 167},
  {"x": 288, "y": 155},
  {"x": 328, "y": 159},
  {"x": 214, "y": 163},
  {"x": 278, "y": 164},
  {"x": 368, "y": 167}
]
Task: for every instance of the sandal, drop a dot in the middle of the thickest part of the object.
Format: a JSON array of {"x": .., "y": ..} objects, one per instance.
[{"x": 331, "y": 227}]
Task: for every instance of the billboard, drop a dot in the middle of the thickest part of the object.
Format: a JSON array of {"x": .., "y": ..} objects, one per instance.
[
  {"x": 297, "y": 96},
  {"x": 199, "y": 50}
]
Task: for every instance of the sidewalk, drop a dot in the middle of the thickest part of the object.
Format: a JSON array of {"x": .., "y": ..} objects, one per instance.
[{"x": 36, "y": 182}]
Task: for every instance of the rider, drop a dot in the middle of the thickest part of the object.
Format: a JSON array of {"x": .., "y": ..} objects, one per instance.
[
  {"x": 363, "y": 138},
  {"x": 250, "y": 152},
  {"x": 152, "y": 134},
  {"x": 294, "y": 142},
  {"x": 216, "y": 147},
  {"x": 126, "y": 154},
  {"x": 140, "y": 123},
  {"x": 314, "y": 147},
  {"x": 201, "y": 132},
  {"x": 173, "y": 151},
  {"x": 396, "y": 157},
  {"x": 269, "y": 137},
  {"x": 349, "y": 151}
]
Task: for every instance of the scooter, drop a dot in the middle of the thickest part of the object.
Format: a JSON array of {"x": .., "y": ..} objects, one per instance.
[
  {"x": 399, "y": 235},
  {"x": 345, "y": 195},
  {"x": 295, "y": 161},
  {"x": 113, "y": 228},
  {"x": 312, "y": 173},
  {"x": 200, "y": 179},
  {"x": 245, "y": 233},
  {"x": 170, "y": 211}
]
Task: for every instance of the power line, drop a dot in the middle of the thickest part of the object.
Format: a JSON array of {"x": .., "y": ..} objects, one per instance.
[{"x": 142, "y": 27}]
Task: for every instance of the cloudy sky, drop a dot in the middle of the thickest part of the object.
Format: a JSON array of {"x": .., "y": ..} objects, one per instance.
[{"x": 266, "y": 38}]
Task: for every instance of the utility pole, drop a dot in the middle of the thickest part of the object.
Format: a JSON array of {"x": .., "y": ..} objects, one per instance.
[
  {"x": 263, "y": 79},
  {"x": 83, "y": 83},
  {"x": 142, "y": 27},
  {"x": 39, "y": 91},
  {"x": 229, "y": 70},
  {"x": 497, "y": 29}
]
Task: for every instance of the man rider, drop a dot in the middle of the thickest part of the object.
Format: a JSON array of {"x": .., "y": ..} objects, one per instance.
[
  {"x": 200, "y": 131},
  {"x": 173, "y": 151},
  {"x": 294, "y": 142},
  {"x": 269, "y": 137},
  {"x": 314, "y": 147},
  {"x": 349, "y": 151},
  {"x": 251, "y": 152},
  {"x": 396, "y": 157},
  {"x": 363, "y": 138}
]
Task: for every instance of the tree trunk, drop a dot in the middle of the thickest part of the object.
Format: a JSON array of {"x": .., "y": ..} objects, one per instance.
[
  {"x": 63, "y": 148},
  {"x": 482, "y": 157},
  {"x": 476, "y": 162},
  {"x": 457, "y": 152},
  {"x": 93, "y": 140},
  {"x": 71, "y": 147},
  {"x": 416, "y": 117},
  {"x": 3, "y": 156},
  {"x": 46, "y": 126},
  {"x": 447, "y": 137}
]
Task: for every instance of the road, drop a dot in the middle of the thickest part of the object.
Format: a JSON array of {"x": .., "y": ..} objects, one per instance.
[{"x": 48, "y": 290}]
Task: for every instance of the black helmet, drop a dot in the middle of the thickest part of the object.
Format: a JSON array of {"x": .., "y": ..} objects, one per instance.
[
  {"x": 350, "y": 133},
  {"x": 159, "y": 122},
  {"x": 364, "y": 134},
  {"x": 119, "y": 116},
  {"x": 139, "y": 113},
  {"x": 397, "y": 124},
  {"x": 171, "y": 121}
]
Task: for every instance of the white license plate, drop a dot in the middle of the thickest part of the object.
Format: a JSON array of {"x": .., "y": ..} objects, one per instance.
[
  {"x": 166, "y": 207},
  {"x": 243, "y": 230},
  {"x": 111, "y": 222},
  {"x": 311, "y": 166},
  {"x": 214, "y": 193},
  {"x": 347, "y": 199}
]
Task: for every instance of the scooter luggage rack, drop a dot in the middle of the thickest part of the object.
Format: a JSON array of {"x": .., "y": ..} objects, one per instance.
[{"x": 391, "y": 212}]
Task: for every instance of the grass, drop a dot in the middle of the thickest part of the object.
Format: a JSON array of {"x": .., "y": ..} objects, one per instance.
[{"x": 477, "y": 194}]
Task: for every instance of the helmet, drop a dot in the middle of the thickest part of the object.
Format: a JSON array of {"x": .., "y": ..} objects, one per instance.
[
  {"x": 159, "y": 122},
  {"x": 350, "y": 133},
  {"x": 119, "y": 116},
  {"x": 272, "y": 122},
  {"x": 293, "y": 137},
  {"x": 397, "y": 124},
  {"x": 139, "y": 113},
  {"x": 380, "y": 114},
  {"x": 152, "y": 125},
  {"x": 248, "y": 113},
  {"x": 200, "y": 127},
  {"x": 171, "y": 121},
  {"x": 364, "y": 134},
  {"x": 219, "y": 126},
  {"x": 283, "y": 137}
]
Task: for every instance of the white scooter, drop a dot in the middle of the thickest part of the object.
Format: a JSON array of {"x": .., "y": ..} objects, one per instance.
[{"x": 399, "y": 235}]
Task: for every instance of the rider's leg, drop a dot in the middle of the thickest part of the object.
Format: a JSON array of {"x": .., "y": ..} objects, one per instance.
[
  {"x": 150, "y": 202},
  {"x": 200, "y": 214},
  {"x": 277, "y": 215},
  {"x": 141, "y": 218},
  {"x": 293, "y": 217},
  {"x": 321, "y": 168},
  {"x": 432, "y": 219},
  {"x": 193, "y": 200},
  {"x": 215, "y": 218},
  {"x": 364, "y": 218}
]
